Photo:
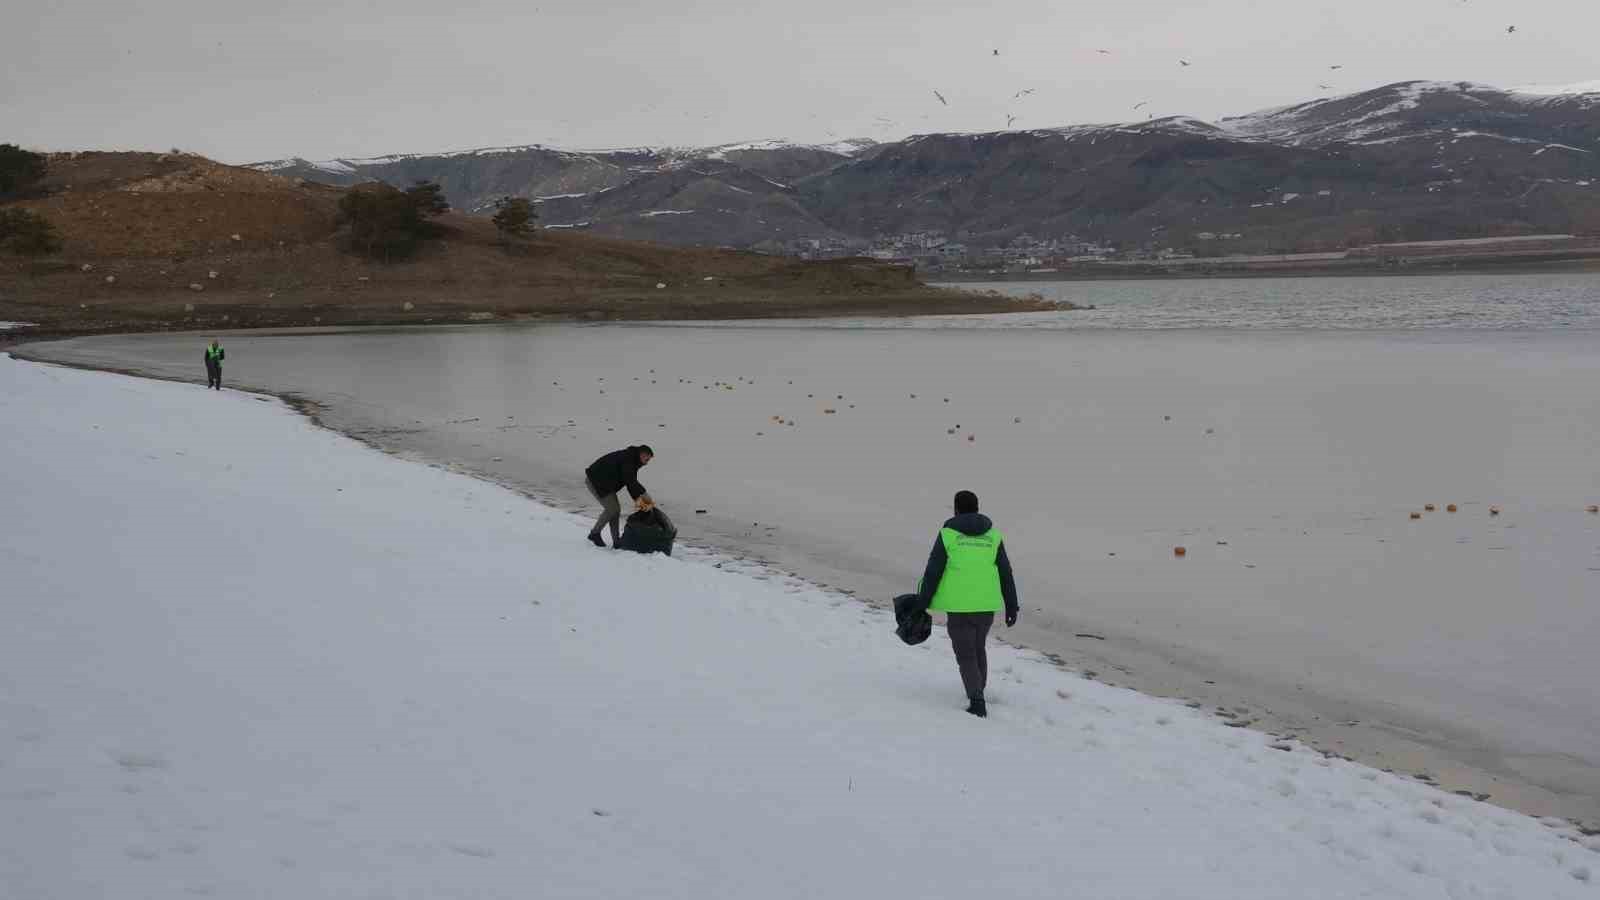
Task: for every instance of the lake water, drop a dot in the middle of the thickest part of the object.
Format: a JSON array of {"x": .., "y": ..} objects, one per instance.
[{"x": 1282, "y": 431}]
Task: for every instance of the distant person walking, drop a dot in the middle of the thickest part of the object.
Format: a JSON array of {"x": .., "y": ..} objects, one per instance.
[
  {"x": 969, "y": 579},
  {"x": 610, "y": 474},
  {"x": 214, "y": 357}
]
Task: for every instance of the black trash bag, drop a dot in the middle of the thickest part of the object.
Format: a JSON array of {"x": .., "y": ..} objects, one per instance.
[
  {"x": 912, "y": 622},
  {"x": 648, "y": 531}
]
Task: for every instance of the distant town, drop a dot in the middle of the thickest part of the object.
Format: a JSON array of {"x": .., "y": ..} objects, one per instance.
[{"x": 936, "y": 253}]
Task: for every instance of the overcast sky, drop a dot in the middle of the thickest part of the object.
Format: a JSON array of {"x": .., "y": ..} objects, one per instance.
[{"x": 244, "y": 82}]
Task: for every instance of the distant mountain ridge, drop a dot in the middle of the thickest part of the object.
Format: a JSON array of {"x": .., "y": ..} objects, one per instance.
[{"x": 1415, "y": 160}]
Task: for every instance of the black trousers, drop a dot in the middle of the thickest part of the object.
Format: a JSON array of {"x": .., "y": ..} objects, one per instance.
[
  {"x": 969, "y": 632},
  {"x": 214, "y": 375}
]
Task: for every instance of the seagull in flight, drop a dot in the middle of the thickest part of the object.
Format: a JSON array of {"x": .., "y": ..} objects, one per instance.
[
  {"x": 941, "y": 98},
  {"x": 1140, "y": 103},
  {"x": 1103, "y": 52},
  {"x": 1021, "y": 94},
  {"x": 1184, "y": 63},
  {"x": 1335, "y": 67},
  {"x": 1009, "y": 120},
  {"x": 1511, "y": 29},
  {"x": 1326, "y": 87}
]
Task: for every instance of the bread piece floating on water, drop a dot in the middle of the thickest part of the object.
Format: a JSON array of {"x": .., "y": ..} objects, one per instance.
[
  {"x": 1416, "y": 515},
  {"x": 1428, "y": 507},
  {"x": 1180, "y": 551},
  {"x": 1450, "y": 508}
]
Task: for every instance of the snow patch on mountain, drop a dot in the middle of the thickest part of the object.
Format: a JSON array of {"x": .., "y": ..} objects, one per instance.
[
  {"x": 1351, "y": 118},
  {"x": 334, "y": 166},
  {"x": 1559, "y": 90},
  {"x": 848, "y": 147}
]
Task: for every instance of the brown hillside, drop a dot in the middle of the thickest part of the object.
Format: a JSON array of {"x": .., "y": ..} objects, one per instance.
[{"x": 177, "y": 241}]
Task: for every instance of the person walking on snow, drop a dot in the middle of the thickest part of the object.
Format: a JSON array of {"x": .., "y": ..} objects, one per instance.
[
  {"x": 610, "y": 474},
  {"x": 969, "y": 579},
  {"x": 214, "y": 357}
]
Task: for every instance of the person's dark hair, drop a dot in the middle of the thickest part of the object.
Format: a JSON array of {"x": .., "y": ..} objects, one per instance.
[
  {"x": 966, "y": 502},
  {"x": 645, "y": 448}
]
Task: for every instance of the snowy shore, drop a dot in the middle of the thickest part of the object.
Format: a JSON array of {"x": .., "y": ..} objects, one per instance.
[{"x": 246, "y": 657}]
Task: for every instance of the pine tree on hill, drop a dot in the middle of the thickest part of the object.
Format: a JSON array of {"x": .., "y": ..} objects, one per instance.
[
  {"x": 19, "y": 169},
  {"x": 514, "y": 218}
]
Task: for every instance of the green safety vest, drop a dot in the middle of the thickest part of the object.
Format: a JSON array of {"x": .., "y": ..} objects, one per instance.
[
  {"x": 214, "y": 354},
  {"x": 971, "y": 581}
]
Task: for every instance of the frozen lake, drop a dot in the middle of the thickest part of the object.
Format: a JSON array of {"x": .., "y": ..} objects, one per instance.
[{"x": 1285, "y": 457}]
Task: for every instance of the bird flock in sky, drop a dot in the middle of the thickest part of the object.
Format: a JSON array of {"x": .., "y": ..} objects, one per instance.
[{"x": 1185, "y": 63}]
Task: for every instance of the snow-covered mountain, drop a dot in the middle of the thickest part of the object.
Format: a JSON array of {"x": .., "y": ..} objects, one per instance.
[
  {"x": 1407, "y": 161},
  {"x": 473, "y": 179},
  {"x": 1419, "y": 108},
  {"x": 1412, "y": 160}
]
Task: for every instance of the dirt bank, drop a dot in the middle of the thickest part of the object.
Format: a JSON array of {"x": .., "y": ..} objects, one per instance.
[{"x": 158, "y": 242}]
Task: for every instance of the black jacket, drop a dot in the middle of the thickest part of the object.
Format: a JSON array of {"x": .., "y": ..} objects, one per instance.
[
  {"x": 615, "y": 471},
  {"x": 973, "y": 524}
]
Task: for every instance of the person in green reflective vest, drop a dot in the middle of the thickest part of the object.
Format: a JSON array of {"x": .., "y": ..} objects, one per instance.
[
  {"x": 969, "y": 579},
  {"x": 214, "y": 357}
]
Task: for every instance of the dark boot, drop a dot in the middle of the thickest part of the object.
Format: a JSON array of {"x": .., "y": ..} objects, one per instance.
[
  {"x": 978, "y": 709},
  {"x": 594, "y": 538}
]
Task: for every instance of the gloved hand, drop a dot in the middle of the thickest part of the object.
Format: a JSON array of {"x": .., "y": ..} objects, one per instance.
[{"x": 1011, "y": 617}]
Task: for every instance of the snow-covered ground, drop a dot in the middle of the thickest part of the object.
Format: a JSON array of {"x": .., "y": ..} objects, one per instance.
[{"x": 245, "y": 657}]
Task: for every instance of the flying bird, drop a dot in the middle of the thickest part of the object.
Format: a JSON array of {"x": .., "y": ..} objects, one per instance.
[
  {"x": 1511, "y": 29},
  {"x": 1009, "y": 120},
  {"x": 941, "y": 98},
  {"x": 1103, "y": 52},
  {"x": 1140, "y": 103},
  {"x": 1020, "y": 94},
  {"x": 1184, "y": 63},
  {"x": 997, "y": 53},
  {"x": 1326, "y": 87},
  {"x": 1335, "y": 67}
]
